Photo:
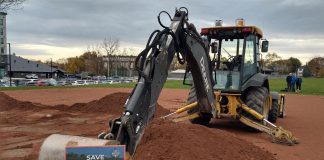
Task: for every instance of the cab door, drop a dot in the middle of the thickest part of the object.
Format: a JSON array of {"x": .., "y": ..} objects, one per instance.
[{"x": 249, "y": 62}]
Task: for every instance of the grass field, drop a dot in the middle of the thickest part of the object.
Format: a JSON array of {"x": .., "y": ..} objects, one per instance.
[{"x": 310, "y": 86}]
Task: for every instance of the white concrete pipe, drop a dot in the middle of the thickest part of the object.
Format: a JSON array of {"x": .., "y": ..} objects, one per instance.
[{"x": 53, "y": 148}]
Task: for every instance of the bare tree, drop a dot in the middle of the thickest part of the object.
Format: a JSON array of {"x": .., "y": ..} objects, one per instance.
[
  {"x": 270, "y": 58},
  {"x": 111, "y": 47},
  {"x": 10, "y": 4},
  {"x": 94, "y": 48},
  {"x": 93, "y": 59},
  {"x": 128, "y": 51}
]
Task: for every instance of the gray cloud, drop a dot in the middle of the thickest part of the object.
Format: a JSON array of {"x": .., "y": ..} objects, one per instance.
[{"x": 82, "y": 22}]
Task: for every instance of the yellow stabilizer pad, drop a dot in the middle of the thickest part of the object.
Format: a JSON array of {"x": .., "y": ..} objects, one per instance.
[
  {"x": 281, "y": 135},
  {"x": 186, "y": 117}
]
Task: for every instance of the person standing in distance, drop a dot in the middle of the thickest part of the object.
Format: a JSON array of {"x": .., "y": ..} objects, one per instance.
[
  {"x": 298, "y": 84},
  {"x": 288, "y": 80}
]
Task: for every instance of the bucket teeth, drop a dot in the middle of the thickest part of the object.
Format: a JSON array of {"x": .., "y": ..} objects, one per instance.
[
  {"x": 281, "y": 135},
  {"x": 102, "y": 135}
]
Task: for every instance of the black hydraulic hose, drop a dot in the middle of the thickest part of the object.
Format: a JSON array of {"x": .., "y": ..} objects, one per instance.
[
  {"x": 151, "y": 36},
  {"x": 152, "y": 47},
  {"x": 185, "y": 8},
  {"x": 159, "y": 20}
]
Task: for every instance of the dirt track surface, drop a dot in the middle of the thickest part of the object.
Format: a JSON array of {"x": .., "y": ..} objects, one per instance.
[
  {"x": 182, "y": 141},
  {"x": 18, "y": 129}
]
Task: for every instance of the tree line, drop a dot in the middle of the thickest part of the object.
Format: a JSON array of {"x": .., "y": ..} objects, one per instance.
[
  {"x": 96, "y": 60},
  {"x": 93, "y": 61},
  {"x": 314, "y": 67}
]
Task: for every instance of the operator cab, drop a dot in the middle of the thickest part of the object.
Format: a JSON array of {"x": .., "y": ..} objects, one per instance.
[{"x": 236, "y": 53}]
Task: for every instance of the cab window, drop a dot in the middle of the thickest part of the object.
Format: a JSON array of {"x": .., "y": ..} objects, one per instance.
[{"x": 250, "y": 65}]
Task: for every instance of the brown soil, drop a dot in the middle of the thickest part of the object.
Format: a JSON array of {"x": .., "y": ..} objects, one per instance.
[
  {"x": 112, "y": 104},
  {"x": 8, "y": 103},
  {"x": 20, "y": 127},
  {"x": 24, "y": 125},
  {"x": 182, "y": 141}
]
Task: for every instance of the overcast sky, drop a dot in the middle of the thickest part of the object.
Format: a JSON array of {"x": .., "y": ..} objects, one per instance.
[{"x": 55, "y": 29}]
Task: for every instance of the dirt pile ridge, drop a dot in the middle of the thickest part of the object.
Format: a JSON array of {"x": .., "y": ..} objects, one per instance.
[
  {"x": 183, "y": 141},
  {"x": 8, "y": 103},
  {"x": 112, "y": 104}
]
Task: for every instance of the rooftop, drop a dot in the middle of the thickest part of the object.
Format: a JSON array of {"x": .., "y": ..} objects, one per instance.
[{"x": 19, "y": 64}]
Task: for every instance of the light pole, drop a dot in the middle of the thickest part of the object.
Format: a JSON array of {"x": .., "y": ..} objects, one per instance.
[
  {"x": 108, "y": 59},
  {"x": 51, "y": 68},
  {"x": 9, "y": 64}
]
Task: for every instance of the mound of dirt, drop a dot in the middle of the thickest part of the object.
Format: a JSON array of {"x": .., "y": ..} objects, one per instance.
[
  {"x": 182, "y": 141},
  {"x": 8, "y": 103},
  {"x": 112, "y": 104}
]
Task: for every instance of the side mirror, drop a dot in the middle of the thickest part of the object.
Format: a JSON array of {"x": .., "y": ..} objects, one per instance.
[
  {"x": 264, "y": 46},
  {"x": 214, "y": 47}
]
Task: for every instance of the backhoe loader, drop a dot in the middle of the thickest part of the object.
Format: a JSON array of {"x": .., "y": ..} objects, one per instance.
[{"x": 224, "y": 69}]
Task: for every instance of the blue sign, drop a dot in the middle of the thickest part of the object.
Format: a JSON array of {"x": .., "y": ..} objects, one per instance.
[{"x": 116, "y": 152}]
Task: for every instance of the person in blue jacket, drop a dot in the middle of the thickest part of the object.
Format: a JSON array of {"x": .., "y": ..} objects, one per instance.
[
  {"x": 288, "y": 80},
  {"x": 293, "y": 82}
]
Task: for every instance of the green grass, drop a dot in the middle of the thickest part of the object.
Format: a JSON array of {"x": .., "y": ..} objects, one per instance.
[
  {"x": 176, "y": 84},
  {"x": 310, "y": 86}
]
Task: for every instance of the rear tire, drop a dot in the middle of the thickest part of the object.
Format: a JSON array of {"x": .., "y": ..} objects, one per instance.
[
  {"x": 204, "y": 118},
  {"x": 257, "y": 98},
  {"x": 273, "y": 114}
]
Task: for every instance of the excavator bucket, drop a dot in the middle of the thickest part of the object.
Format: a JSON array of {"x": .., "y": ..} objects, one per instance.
[{"x": 53, "y": 148}]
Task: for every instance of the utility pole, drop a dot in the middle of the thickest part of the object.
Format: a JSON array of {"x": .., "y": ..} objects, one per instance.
[
  {"x": 9, "y": 64},
  {"x": 108, "y": 60},
  {"x": 116, "y": 71},
  {"x": 51, "y": 68}
]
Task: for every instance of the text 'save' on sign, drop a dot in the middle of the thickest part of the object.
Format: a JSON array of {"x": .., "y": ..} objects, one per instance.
[{"x": 116, "y": 152}]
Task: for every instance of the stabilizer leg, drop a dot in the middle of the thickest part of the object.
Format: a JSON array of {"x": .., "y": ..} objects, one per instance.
[{"x": 278, "y": 134}]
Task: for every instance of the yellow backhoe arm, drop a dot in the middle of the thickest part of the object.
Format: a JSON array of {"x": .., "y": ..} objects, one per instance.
[{"x": 278, "y": 134}]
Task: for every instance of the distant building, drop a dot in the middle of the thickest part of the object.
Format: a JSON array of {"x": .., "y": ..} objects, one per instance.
[
  {"x": 176, "y": 74},
  {"x": 120, "y": 65},
  {"x": 20, "y": 67},
  {"x": 3, "y": 44}
]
